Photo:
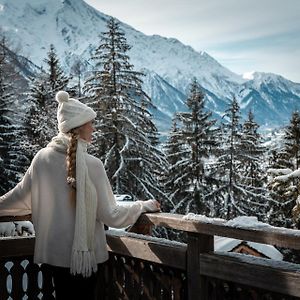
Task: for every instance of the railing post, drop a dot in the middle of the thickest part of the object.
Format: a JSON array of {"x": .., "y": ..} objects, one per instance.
[
  {"x": 145, "y": 229},
  {"x": 197, "y": 243}
]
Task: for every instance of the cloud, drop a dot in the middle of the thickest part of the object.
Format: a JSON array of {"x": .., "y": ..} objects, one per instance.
[
  {"x": 277, "y": 53},
  {"x": 260, "y": 33}
]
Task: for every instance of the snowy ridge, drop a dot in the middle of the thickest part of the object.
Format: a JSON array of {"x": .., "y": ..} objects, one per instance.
[{"x": 166, "y": 99}]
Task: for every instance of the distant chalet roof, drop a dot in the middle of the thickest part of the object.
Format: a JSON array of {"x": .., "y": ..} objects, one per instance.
[{"x": 224, "y": 244}]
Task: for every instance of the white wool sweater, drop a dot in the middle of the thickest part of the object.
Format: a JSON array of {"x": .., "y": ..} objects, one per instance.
[{"x": 44, "y": 193}]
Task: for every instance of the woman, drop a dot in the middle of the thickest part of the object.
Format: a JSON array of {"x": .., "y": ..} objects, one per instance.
[{"x": 70, "y": 198}]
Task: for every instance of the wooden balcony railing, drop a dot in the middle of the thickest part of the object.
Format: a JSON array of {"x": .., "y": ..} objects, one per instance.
[{"x": 143, "y": 267}]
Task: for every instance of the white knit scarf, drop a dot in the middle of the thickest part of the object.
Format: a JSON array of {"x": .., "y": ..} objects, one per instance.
[{"x": 83, "y": 259}]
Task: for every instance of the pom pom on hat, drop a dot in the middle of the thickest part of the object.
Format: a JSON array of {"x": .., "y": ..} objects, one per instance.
[
  {"x": 72, "y": 113},
  {"x": 62, "y": 96}
]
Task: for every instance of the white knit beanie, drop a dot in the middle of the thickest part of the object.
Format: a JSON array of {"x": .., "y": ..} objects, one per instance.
[{"x": 72, "y": 113}]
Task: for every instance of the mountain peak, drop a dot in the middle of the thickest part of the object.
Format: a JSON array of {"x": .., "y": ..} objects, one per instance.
[{"x": 249, "y": 75}]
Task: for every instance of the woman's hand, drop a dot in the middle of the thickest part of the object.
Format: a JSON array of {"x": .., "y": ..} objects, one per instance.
[{"x": 151, "y": 206}]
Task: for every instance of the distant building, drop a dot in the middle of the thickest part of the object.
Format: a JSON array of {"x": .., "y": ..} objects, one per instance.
[{"x": 224, "y": 244}]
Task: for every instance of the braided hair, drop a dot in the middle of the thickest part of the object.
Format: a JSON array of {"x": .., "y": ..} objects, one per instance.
[{"x": 71, "y": 158}]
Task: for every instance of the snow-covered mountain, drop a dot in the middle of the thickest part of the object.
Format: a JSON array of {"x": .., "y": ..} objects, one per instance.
[
  {"x": 270, "y": 96},
  {"x": 74, "y": 28}
]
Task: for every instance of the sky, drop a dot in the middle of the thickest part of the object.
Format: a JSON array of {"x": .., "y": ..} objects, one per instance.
[{"x": 242, "y": 35}]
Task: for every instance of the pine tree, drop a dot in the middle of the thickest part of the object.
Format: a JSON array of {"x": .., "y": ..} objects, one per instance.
[
  {"x": 12, "y": 159},
  {"x": 193, "y": 144},
  {"x": 292, "y": 141},
  {"x": 228, "y": 192},
  {"x": 41, "y": 115},
  {"x": 253, "y": 173},
  {"x": 57, "y": 80},
  {"x": 284, "y": 195},
  {"x": 174, "y": 186},
  {"x": 77, "y": 71},
  {"x": 126, "y": 136},
  {"x": 240, "y": 190}
]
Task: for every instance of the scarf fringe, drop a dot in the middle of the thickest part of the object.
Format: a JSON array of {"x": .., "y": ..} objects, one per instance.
[{"x": 83, "y": 262}]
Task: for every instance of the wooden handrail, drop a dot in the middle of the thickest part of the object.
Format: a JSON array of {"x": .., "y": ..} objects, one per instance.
[
  {"x": 17, "y": 246},
  {"x": 282, "y": 237},
  {"x": 15, "y": 218}
]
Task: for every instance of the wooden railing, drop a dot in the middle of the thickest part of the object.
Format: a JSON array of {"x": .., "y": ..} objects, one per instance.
[{"x": 141, "y": 267}]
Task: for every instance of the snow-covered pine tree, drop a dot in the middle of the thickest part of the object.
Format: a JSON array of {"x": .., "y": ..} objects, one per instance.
[
  {"x": 285, "y": 192},
  {"x": 189, "y": 148},
  {"x": 174, "y": 186},
  {"x": 292, "y": 141},
  {"x": 229, "y": 194},
  {"x": 253, "y": 170},
  {"x": 57, "y": 80},
  {"x": 12, "y": 158},
  {"x": 126, "y": 136},
  {"x": 41, "y": 120},
  {"x": 77, "y": 74}
]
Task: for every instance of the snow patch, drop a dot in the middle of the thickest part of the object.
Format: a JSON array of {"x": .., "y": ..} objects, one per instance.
[
  {"x": 16, "y": 228},
  {"x": 7, "y": 229},
  {"x": 201, "y": 218},
  {"x": 275, "y": 172},
  {"x": 26, "y": 226},
  {"x": 247, "y": 222},
  {"x": 288, "y": 176},
  {"x": 245, "y": 104},
  {"x": 249, "y": 75},
  {"x": 238, "y": 222}
]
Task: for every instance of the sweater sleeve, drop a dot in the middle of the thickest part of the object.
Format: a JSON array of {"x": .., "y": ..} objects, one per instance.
[
  {"x": 108, "y": 211},
  {"x": 17, "y": 202}
]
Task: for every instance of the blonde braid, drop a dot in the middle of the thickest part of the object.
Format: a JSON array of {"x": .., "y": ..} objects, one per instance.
[{"x": 71, "y": 158}]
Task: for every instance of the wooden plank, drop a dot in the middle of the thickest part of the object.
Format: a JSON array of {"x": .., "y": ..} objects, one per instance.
[
  {"x": 257, "y": 272},
  {"x": 281, "y": 237},
  {"x": 15, "y": 218},
  {"x": 16, "y": 246},
  {"x": 197, "y": 243},
  {"x": 193, "y": 275},
  {"x": 166, "y": 254}
]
